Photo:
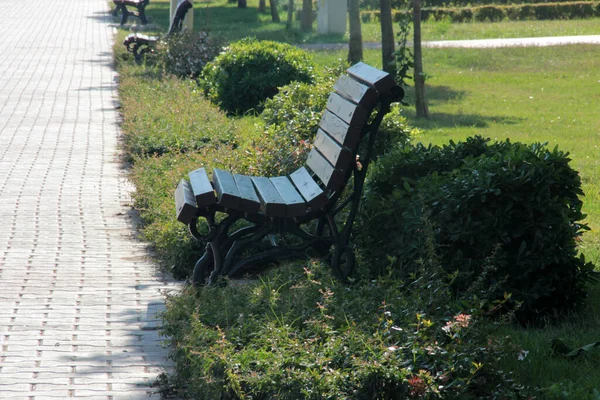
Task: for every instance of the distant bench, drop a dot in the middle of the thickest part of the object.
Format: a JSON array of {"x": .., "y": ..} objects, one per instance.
[
  {"x": 304, "y": 204},
  {"x": 140, "y": 44},
  {"x": 140, "y": 10}
]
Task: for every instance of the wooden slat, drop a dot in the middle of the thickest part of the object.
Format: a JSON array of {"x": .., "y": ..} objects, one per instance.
[
  {"x": 331, "y": 178},
  {"x": 373, "y": 77},
  {"x": 344, "y": 134},
  {"x": 201, "y": 187},
  {"x": 185, "y": 204},
  {"x": 349, "y": 112},
  {"x": 337, "y": 155},
  {"x": 272, "y": 204},
  {"x": 250, "y": 201},
  {"x": 356, "y": 92},
  {"x": 227, "y": 191},
  {"x": 294, "y": 203},
  {"x": 314, "y": 196}
]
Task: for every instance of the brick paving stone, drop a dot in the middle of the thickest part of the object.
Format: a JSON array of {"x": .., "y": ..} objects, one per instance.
[{"x": 79, "y": 294}]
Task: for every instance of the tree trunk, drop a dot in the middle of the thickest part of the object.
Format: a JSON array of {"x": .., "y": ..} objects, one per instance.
[
  {"x": 355, "y": 53},
  {"x": 420, "y": 101},
  {"x": 262, "y": 6},
  {"x": 290, "y": 15},
  {"x": 242, "y": 4},
  {"x": 387, "y": 36},
  {"x": 306, "y": 20},
  {"x": 274, "y": 12}
]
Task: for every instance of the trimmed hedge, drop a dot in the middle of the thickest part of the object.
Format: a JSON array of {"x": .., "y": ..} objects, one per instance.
[
  {"x": 250, "y": 71},
  {"x": 502, "y": 218},
  {"x": 494, "y": 13},
  {"x": 397, "y": 4}
]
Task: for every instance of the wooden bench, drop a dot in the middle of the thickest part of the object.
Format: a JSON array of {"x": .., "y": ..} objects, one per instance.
[
  {"x": 140, "y": 10},
  {"x": 140, "y": 44},
  {"x": 308, "y": 204}
]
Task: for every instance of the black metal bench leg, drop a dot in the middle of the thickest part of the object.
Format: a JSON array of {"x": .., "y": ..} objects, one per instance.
[
  {"x": 124, "y": 14},
  {"x": 203, "y": 266},
  {"x": 142, "y": 14}
]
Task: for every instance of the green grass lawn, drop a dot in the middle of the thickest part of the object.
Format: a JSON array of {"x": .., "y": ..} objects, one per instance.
[
  {"x": 227, "y": 21},
  {"x": 549, "y": 94}
]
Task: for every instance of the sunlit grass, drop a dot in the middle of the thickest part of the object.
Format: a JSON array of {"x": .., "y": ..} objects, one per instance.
[{"x": 231, "y": 23}]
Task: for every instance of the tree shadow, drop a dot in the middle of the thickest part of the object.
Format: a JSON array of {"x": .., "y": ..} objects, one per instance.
[{"x": 437, "y": 95}]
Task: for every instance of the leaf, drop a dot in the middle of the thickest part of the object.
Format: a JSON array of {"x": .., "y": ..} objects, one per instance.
[
  {"x": 580, "y": 350},
  {"x": 559, "y": 348}
]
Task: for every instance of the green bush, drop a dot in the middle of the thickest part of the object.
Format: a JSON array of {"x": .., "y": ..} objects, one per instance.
[
  {"x": 300, "y": 335},
  {"x": 506, "y": 219},
  {"x": 499, "y": 12},
  {"x": 186, "y": 54},
  {"x": 250, "y": 71},
  {"x": 489, "y": 13}
]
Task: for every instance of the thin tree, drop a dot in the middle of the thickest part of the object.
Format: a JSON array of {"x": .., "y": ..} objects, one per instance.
[
  {"x": 306, "y": 18},
  {"x": 242, "y": 4},
  {"x": 262, "y": 6},
  {"x": 290, "y": 15},
  {"x": 387, "y": 36},
  {"x": 419, "y": 76},
  {"x": 274, "y": 12},
  {"x": 355, "y": 53}
]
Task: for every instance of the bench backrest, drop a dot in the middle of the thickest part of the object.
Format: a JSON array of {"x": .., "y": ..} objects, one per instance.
[
  {"x": 182, "y": 9},
  {"x": 348, "y": 110}
]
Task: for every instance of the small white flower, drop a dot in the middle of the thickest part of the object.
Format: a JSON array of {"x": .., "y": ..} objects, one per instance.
[{"x": 522, "y": 355}]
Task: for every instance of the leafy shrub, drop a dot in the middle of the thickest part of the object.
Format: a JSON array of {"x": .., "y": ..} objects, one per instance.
[
  {"x": 295, "y": 335},
  {"x": 489, "y": 13},
  {"x": 186, "y": 53},
  {"x": 497, "y": 12},
  {"x": 251, "y": 71},
  {"x": 506, "y": 217}
]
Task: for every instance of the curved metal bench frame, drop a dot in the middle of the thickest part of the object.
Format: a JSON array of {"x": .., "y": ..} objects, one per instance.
[{"x": 139, "y": 5}]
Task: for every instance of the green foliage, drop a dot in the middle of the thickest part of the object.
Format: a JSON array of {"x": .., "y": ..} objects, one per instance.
[
  {"x": 250, "y": 71},
  {"x": 169, "y": 115},
  {"x": 506, "y": 216},
  {"x": 499, "y": 12},
  {"x": 404, "y": 56},
  {"x": 185, "y": 54},
  {"x": 295, "y": 335}
]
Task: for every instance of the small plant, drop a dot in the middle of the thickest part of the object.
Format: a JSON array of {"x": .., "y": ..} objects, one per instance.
[
  {"x": 250, "y": 71},
  {"x": 185, "y": 54}
]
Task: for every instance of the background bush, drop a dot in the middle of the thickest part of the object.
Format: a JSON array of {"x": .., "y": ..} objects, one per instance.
[
  {"x": 499, "y": 12},
  {"x": 506, "y": 219},
  {"x": 185, "y": 54},
  {"x": 251, "y": 71}
]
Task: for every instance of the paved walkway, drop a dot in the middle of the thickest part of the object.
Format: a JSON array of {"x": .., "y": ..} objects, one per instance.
[{"x": 77, "y": 293}]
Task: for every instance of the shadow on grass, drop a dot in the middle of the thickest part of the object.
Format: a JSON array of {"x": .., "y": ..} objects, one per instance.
[
  {"x": 438, "y": 95},
  {"x": 232, "y": 23}
]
